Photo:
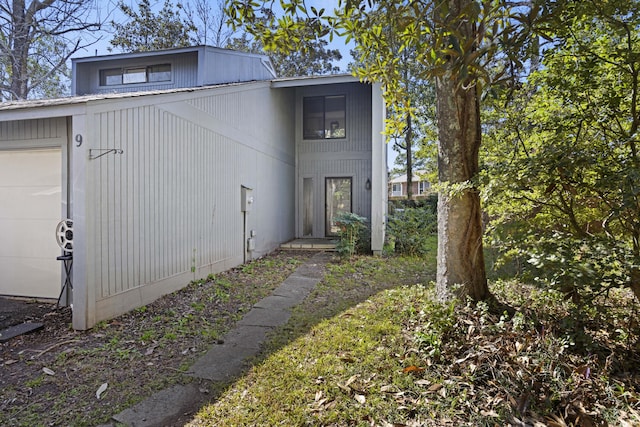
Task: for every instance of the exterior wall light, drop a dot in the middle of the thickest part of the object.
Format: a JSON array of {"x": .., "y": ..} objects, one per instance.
[{"x": 367, "y": 184}]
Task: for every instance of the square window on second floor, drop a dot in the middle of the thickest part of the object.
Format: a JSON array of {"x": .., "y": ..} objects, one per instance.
[{"x": 324, "y": 117}]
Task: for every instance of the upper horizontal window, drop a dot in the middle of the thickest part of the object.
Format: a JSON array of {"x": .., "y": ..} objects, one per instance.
[
  {"x": 159, "y": 73},
  {"x": 324, "y": 117},
  {"x": 111, "y": 77},
  {"x": 135, "y": 75}
]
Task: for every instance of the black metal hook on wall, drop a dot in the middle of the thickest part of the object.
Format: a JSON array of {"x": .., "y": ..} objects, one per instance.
[{"x": 103, "y": 152}]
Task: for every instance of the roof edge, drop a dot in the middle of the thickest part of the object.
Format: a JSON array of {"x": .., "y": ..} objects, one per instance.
[
  {"x": 314, "y": 80},
  {"x": 161, "y": 52},
  {"x": 83, "y": 99}
]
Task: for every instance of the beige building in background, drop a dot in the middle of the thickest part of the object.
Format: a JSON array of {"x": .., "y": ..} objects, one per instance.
[{"x": 398, "y": 187}]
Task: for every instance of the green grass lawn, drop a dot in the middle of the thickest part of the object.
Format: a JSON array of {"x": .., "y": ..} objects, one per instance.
[{"x": 371, "y": 347}]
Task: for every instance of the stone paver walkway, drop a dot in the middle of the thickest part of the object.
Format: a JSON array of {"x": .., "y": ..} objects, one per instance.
[{"x": 227, "y": 361}]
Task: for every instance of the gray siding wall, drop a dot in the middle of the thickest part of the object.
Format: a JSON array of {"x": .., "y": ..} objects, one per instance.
[
  {"x": 328, "y": 158},
  {"x": 203, "y": 66},
  {"x": 184, "y": 68},
  {"x": 167, "y": 210},
  {"x": 222, "y": 66},
  {"x": 35, "y": 133}
]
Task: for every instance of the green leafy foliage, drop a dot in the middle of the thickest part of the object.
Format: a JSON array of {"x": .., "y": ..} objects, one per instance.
[
  {"x": 311, "y": 56},
  {"x": 411, "y": 115},
  {"x": 562, "y": 165},
  {"x": 583, "y": 268},
  {"x": 146, "y": 30},
  {"x": 350, "y": 227},
  {"x": 412, "y": 229},
  {"x": 363, "y": 244}
]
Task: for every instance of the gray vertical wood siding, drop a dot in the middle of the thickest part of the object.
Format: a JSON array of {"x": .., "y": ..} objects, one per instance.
[
  {"x": 167, "y": 210},
  {"x": 190, "y": 67},
  {"x": 348, "y": 157},
  {"x": 184, "y": 70}
]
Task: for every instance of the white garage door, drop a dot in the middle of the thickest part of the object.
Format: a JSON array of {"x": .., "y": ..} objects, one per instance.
[{"x": 30, "y": 197}]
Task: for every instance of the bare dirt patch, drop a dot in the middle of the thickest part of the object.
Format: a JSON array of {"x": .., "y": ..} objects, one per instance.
[{"x": 14, "y": 311}]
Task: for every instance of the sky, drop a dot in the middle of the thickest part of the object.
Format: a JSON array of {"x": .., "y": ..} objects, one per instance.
[{"x": 107, "y": 11}]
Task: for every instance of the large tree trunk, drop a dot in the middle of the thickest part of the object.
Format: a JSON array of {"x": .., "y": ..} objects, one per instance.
[
  {"x": 460, "y": 254},
  {"x": 460, "y": 269}
]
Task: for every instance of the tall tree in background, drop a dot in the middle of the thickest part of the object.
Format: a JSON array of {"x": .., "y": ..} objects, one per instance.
[
  {"x": 411, "y": 109},
  {"x": 463, "y": 38},
  {"x": 210, "y": 22},
  {"x": 146, "y": 30},
  {"x": 311, "y": 56},
  {"x": 36, "y": 40}
]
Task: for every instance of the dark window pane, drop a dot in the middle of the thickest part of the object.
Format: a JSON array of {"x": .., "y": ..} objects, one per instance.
[
  {"x": 335, "y": 117},
  {"x": 324, "y": 117},
  {"x": 313, "y": 117},
  {"x": 111, "y": 77}
]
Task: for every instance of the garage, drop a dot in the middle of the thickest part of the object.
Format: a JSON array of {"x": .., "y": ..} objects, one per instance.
[{"x": 30, "y": 206}]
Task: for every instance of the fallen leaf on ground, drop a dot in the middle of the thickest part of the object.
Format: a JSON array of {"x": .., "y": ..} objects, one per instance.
[
  {"x": 101, "y": 390},
  {"x": 351, "y": 380},
  {"x": 412, "y": 370},
  {"x": 435, "y": 387},
  {"x": 346, "y": 386}
]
